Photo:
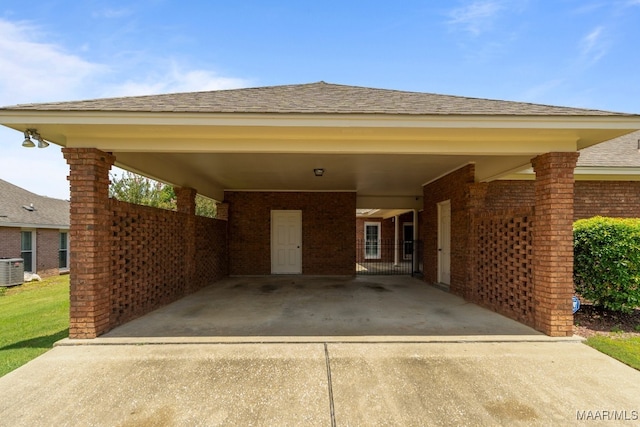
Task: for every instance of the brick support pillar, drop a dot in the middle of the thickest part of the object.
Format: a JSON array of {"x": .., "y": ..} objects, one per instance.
[
  {"x": 186, "y": 201},
  {"x": 89, "y": 241},
  {"x": 222, "y": 211},
  {"x": 477, "y": 194},
  {"x": 553, "y": 243}
]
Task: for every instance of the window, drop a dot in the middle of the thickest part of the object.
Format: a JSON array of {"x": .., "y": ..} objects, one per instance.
[
  {"x": 26, "y": 250},
  {"x": 63, "y": 253},
  {"x": 371, "y": 240}
]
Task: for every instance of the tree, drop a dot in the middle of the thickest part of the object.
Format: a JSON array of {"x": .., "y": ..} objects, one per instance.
[
  {"x": 205, "y": 207},
  {"x": 133, "y": 188}
]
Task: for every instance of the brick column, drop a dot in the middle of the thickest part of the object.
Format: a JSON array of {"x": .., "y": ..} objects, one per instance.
[
  {"x": 186, "y": 201},
  {"x": 222, "y": 211},
  {"x": 477, "y": 195},
  {"x": 89, "y": 241},
  {"x": 553, "y": 243}
]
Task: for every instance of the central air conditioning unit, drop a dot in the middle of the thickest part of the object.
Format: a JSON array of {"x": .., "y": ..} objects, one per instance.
[{"x": 11, "y": 271}]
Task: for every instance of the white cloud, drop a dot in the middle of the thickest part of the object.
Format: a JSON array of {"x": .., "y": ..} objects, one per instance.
[
  {"x": 542, "y": 90},
  {"x": 41, "y": 171},
  {"x": 176, "y": 79},
  {"x": 112, "y": 13},
  {"x": 34, "y": 70},
  {"x": 31, "y": 70},
  {"x": 477, "y": 16},
  {"x": 593, "y": 45}
]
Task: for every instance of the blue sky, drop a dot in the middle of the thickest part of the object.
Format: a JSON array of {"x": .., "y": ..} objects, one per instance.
[{"x": 581, "y": 53}]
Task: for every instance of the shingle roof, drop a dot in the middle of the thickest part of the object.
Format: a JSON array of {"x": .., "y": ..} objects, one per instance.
[
  {"x": 16, "y": 208},
  {"x": 315, "y": 98},
  {"x": 617, "y": 152}
]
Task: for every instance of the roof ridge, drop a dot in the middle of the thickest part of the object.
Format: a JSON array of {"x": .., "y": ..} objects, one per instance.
[{"x": 315, "y": 97}]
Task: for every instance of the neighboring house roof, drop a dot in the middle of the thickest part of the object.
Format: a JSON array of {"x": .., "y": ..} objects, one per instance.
[
  {"x": 22, "y": 208},
  {"x": 618, "y": 152},
  {"x": 316, "y": 98}
]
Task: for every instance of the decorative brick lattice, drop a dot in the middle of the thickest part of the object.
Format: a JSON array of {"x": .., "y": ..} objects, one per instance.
[
  {"x": 147, "y": 253},
  {"x": 504, "y": 263},
  {"x": 211, "y": 250}
]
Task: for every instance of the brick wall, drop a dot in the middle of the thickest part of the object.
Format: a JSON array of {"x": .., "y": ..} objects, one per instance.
[
  {"x": 607, "y": 198},
  {"x": 501, "y": 238},
  {"x": 9, "y": 242},
  {"x": 455, "y": 187},
  {"x": 46, "y": 251},
  {"x": 503, "y": 269},
  {"x": 509, "y": 194},
  {"x": 591, "y": 198},
  {"x": 127, "y": 260},
  {"x": 328, "y": 229},
  {"x": 149, "y": 251},
  {"x": 48, "y": 247},
  {"x": 212, "y": 262}
]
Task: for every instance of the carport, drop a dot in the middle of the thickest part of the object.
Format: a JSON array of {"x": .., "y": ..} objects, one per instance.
[{"x": 291, "y": 164}]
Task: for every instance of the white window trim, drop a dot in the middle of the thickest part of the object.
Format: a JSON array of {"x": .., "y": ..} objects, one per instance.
[
  {"x": 34, "y": 249},
  {"x": 378, "y": 254},
  {"x": 64, "y": 270}
]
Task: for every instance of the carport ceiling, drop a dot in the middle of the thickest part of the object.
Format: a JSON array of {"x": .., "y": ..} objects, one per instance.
[
  {"x": 367, "y": 174},
  {"x": 372, "y": 141}
]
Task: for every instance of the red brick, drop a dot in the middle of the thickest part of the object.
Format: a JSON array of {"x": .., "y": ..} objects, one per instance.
[{"x": 328, "y": 230}]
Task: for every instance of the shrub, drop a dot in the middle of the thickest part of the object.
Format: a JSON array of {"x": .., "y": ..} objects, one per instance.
[{"x": 607, "y": 262}]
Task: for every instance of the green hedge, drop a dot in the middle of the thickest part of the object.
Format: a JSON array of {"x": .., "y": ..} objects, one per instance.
[{"x": 607, "y": 262}]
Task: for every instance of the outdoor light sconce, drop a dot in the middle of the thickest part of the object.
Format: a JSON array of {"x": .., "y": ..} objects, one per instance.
[
  {"x": 318, "y": 171},
  {"x": 33, "y": 133}
]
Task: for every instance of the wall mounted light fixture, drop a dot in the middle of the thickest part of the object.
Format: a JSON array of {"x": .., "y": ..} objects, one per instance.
[
  {"x": 318, "y": 171},
  {"x": 33, "y": 133}
]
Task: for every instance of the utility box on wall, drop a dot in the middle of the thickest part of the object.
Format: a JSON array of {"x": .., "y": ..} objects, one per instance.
[{"x": 11, "y": 271}]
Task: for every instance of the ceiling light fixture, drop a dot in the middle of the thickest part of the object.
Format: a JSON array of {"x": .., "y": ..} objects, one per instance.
[
  {"x": 318, "y": 171},
  {"x": 33, "y": 133}
]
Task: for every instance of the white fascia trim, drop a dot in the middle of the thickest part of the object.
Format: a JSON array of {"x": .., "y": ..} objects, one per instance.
[
  {"x": 22, "y": 118},
  {"x": 34, "y": 226}
]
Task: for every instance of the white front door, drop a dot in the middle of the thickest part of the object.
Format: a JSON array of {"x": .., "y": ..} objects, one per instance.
[
  {"x": 444, "y": 242},
  {"x": 286, "y": 242}
]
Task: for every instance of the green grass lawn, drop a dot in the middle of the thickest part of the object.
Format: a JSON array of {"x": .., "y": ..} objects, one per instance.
[
  {"x": 32, "y": 317},
  {"x": 626, "y": 350}
]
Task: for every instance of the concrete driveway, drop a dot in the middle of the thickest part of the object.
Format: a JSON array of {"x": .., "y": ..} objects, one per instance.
[
  {"x": 302, "y": 306},
  {"x": 461, "y": 365},
  {"x": 322, "y": 384}
]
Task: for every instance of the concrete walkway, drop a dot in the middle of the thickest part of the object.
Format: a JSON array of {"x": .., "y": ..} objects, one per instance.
[{"x": 316, "y": 351}]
